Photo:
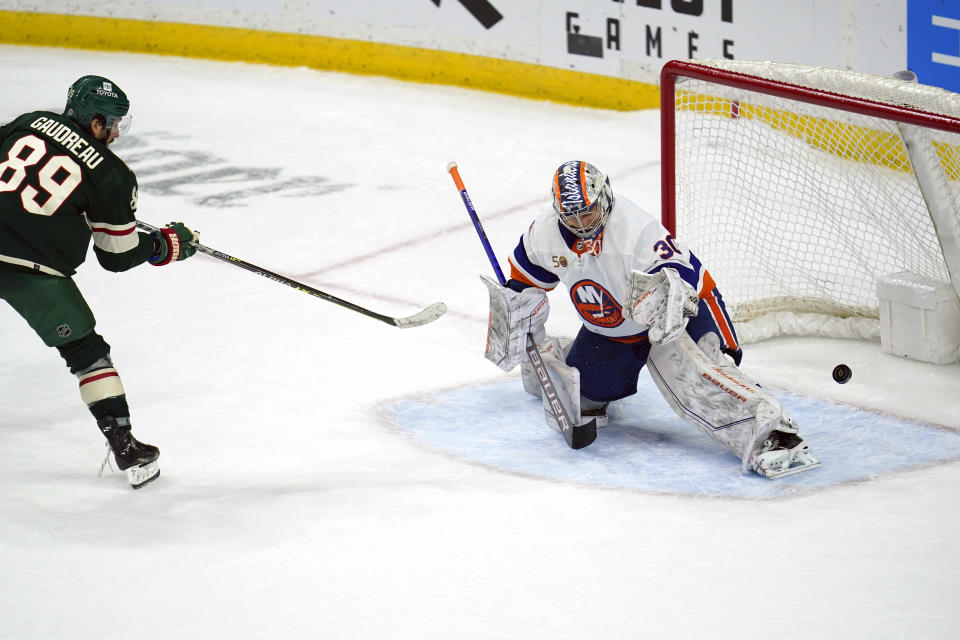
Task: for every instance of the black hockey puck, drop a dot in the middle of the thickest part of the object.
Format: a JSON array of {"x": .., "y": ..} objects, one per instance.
[{"x": 842, "y": 374}]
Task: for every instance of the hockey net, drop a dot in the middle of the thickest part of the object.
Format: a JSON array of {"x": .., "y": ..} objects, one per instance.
[{"x": 800, "y": 187}]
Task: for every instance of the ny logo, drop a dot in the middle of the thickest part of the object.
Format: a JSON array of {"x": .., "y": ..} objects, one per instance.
[{"x": 591, "y": 300}]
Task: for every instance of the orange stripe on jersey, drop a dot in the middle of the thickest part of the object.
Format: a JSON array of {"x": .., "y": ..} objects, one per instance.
[
  {"x": 516, "y": 274},
  {"x": 708, "y": 285},
  {"x": 719, "y": 318}
]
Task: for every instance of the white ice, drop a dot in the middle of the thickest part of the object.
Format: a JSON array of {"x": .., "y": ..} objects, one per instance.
[{"x": 288, "y": 507}]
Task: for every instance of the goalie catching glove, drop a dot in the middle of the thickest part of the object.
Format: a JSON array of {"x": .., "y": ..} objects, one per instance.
[
  {"x": 172, "y": 243},
  {"x": 662, "y": 301},
  {"x": 513, "y": 314}
]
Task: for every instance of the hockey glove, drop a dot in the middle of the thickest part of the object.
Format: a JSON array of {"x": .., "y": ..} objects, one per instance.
[
  {"x": 735, "y": 354},
  {"x": 710, "y": 344},
  {"x": 513, "y": 314},
  {"x": 172, "y": 243},
  {"x": 663, "y": 301}
]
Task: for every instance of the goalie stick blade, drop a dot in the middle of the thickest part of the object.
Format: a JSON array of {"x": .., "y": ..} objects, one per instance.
[
  {"x": 581, "y": 435},
  {"x": 428, "y": 315}
]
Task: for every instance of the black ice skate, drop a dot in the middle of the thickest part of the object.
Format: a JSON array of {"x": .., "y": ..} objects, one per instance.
[{"x": 137, "y": 459}]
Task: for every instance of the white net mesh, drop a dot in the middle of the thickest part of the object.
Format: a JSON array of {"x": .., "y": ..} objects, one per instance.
[{"x": 795, "y": 207}]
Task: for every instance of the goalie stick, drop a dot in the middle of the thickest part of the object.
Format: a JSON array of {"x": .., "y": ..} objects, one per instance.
[
  {"x": 426, "y": 316},
  {"x": 576, "y": 436}
]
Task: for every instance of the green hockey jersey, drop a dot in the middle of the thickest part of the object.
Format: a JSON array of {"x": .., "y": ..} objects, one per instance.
[{"x": 59, "y": 186}]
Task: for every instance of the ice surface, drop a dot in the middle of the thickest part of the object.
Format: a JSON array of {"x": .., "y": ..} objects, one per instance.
[
  {"x": 649, "y": 448},
  {"x": 297, "y": 501}
]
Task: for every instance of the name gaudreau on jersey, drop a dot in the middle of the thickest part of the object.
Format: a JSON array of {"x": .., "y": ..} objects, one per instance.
[{"x": 70, "y": 139}]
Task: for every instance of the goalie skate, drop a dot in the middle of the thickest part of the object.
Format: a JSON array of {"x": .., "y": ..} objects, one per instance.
[
  {"x": 596, "y": 413},
  {"x": 783, "y": 454}
]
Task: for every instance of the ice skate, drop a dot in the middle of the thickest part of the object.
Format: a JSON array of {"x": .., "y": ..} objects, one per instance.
[
  {"x": 598, "y": 413},
  {"x": 136, "y": 459},
  {"x": 782, "y": 454}
]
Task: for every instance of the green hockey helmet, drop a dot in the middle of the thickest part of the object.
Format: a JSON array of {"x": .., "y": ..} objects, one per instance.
[{"x": 93, "y": 96}]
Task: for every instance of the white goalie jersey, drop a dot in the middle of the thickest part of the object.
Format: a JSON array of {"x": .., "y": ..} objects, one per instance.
[
  {"x": 597, "y": 272},
  {"x": 704, "y": 386}
]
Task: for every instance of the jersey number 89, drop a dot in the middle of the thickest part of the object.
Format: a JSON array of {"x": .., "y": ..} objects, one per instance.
[{"x": 59, "y": 176}]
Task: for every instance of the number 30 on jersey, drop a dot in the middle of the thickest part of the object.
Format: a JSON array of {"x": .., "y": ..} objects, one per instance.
[{"x": 667, "y": 248}]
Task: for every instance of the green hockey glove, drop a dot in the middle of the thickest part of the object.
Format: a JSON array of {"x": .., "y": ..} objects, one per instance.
[{"x": 172, "y": 243}]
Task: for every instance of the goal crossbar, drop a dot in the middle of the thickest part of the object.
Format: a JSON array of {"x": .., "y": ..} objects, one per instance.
[{"x": 676, "y": 69}]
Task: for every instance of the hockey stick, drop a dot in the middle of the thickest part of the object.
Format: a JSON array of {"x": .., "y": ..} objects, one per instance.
[
  {"x": 428, "y": 315},
  {"x": 576, "y": 436}
]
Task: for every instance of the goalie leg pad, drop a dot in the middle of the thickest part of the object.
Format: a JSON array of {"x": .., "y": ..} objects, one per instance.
[
  {"x": 713, "y": 395},
  {"x": 528, "y": 376},
  {"x": 566, "y": 381},
  {"x": 577, "y": 436},
  {"x": 551, "y": 345}
]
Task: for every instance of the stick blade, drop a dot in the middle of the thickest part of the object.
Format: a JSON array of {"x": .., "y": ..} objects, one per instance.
[
  {"x": 428, "y": 315},
  {"x": 581, "y": 435}
]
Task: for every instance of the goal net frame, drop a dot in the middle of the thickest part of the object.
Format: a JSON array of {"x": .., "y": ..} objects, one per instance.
[{"x": 896, "y": 103}]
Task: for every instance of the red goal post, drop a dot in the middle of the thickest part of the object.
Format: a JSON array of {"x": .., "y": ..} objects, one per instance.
[{"x": 799, "y": 187}]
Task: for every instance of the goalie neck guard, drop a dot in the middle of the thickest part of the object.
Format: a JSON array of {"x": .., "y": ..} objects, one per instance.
[
  {"x": 97, "y": 97},
  {"x": 582, "y": 198}
]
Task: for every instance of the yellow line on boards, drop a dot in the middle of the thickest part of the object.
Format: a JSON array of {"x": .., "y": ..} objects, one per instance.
[{"x": 334, "y": 54}]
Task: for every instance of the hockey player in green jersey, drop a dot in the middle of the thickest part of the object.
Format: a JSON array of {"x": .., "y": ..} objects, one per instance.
[{"x": 60, "y": 186}]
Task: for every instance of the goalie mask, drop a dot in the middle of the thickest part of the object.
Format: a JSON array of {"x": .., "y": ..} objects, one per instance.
[
  {"x": 96, "y": 97},
  {"x": 582, "y": 198}
]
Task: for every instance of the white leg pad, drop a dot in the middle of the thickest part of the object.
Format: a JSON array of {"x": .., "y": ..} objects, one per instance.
[
  {"x": 551, "y": 345},
  {"x": 566, "y": 380},
  {"x": 708, "y": 391}
]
